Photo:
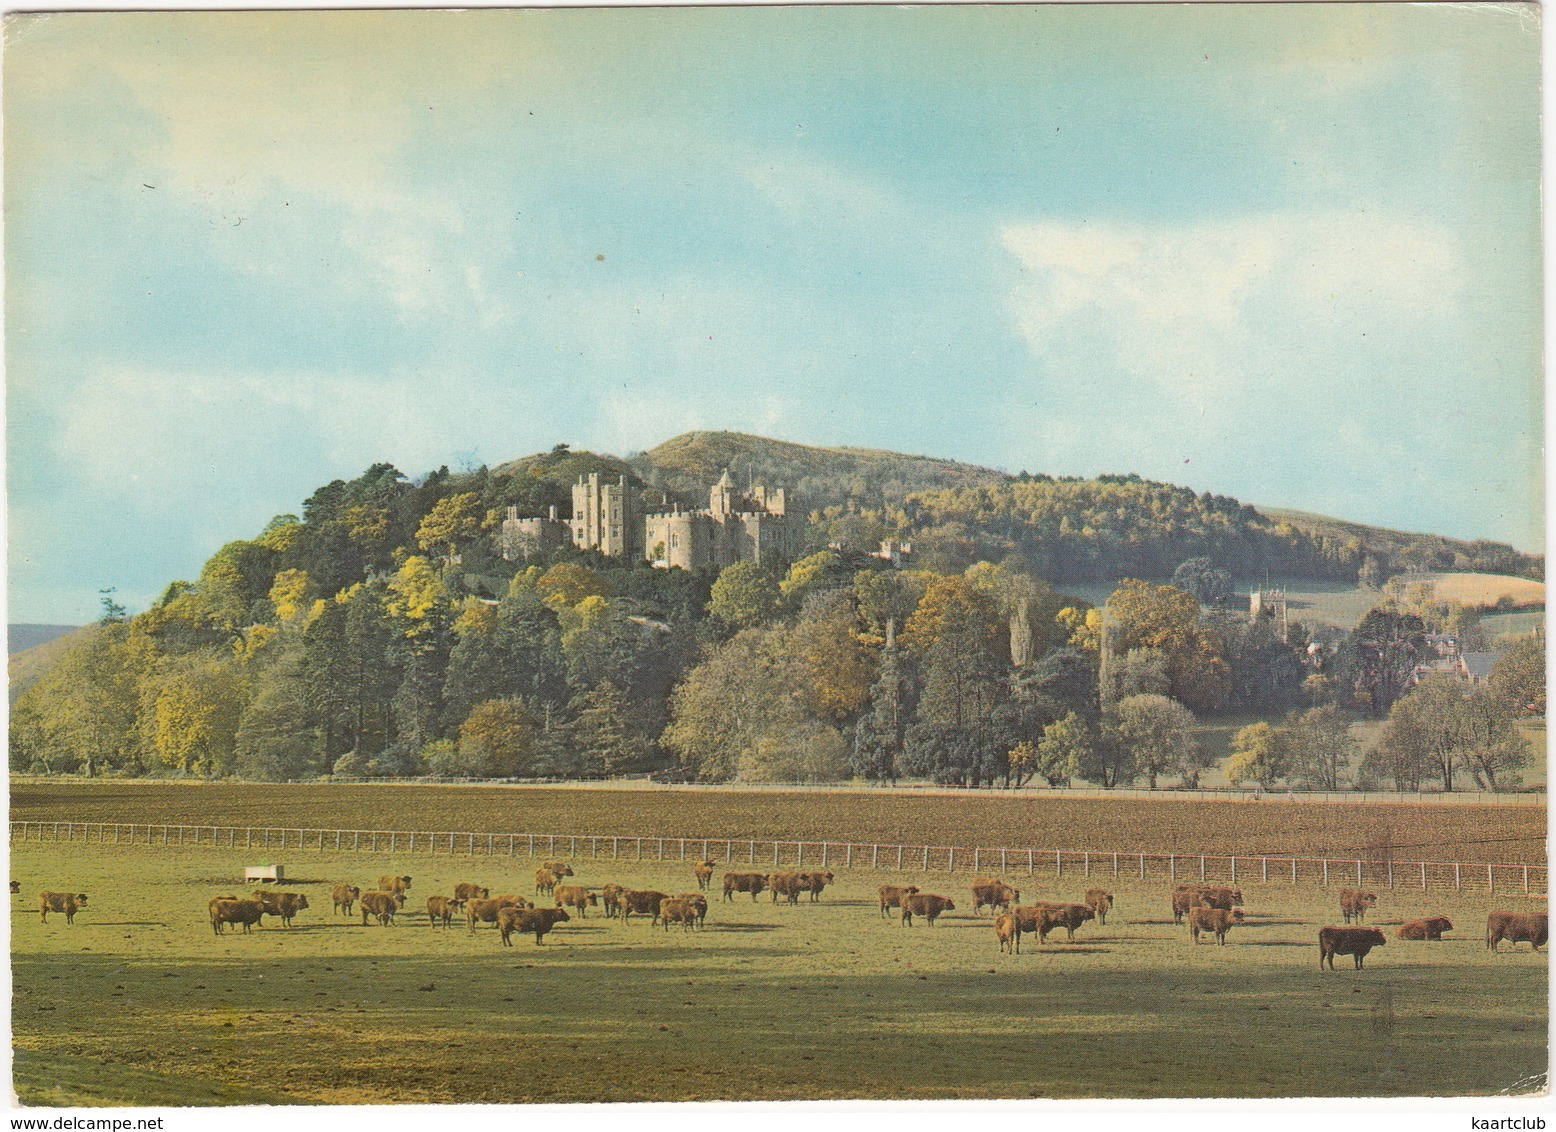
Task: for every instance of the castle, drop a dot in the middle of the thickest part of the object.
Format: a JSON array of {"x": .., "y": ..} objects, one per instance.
[{"x": 607, "y": 517}]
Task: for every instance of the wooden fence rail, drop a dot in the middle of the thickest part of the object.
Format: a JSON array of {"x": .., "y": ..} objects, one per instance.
[{"x": 1081, "y": 863}]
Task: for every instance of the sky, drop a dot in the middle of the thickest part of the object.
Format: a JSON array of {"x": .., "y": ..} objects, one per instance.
[{"x": 1288, "y": 253}]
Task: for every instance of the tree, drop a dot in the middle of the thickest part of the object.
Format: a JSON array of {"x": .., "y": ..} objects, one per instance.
[
  {"x": 278, "y": 738},
  {"x": 195, "y": 712},
  {"x": 1209, "y": 583},
  {"x": 1441, "y": 728},
  {"x": 837, "y": 667},
  {"x": 740, "y": 695},
  {"x": 82, "y": 712},
  {"x": 499, "y": 739},
  {"x": 453, "y": 521},
  {"x": 609, "y": 740},
  {"x": 1384, "y": 651},
  {"x": 880, "y": 737},
  {"x": 1318, "y": 747},
  {"x": 1067, "y": 747},
  {"x": 1167, "y": 619},
  {"x": 1160, "y": 734},
  {"x": 1257, "y": 755},
  {"x": 745, "y": 596},
  {"x": 1518, "y": 676},
  {"x": 567, "y": 583},
  {"x": 824, "y": 570}
]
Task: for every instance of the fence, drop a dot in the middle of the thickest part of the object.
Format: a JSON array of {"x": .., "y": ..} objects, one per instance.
[{"x": 1241, "y": 868}]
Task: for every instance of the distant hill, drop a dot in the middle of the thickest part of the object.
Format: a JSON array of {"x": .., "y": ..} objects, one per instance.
[
  {"x": 1407, "y": 550},
  {"x": 818, "y": 477},
  {"x": 19, "y": 638},
  {"x": 28, "y": 663}
]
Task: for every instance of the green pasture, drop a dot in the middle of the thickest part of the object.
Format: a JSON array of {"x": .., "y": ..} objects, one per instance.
[{"x": 139, "y": 1003}]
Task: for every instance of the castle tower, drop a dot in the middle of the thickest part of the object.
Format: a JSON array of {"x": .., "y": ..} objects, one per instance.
[
  {"x": 606, "y": 517},
  {"x": 724, "y": 498},
  {"x": 1271, "y": 604}
]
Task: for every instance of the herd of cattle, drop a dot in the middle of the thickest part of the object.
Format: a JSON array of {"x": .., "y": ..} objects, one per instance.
[{"x": 1210, "y": 909}]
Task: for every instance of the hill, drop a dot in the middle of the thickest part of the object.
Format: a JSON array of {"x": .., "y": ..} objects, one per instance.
[
  {"x": 29, "y": 663},
  {"x": 20, "y": 638},
  {"x": 819, "y": 477},
  {"x": 1414, "y": 550}
]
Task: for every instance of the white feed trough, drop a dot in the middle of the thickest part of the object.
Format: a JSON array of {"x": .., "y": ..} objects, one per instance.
[{"x": 263, "y": 873}]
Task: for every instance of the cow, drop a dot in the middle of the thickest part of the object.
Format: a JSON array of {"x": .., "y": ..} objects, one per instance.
[
  {"x": 699, "y": 902},
  {"x": 925, "y": 904},
  {"x": 575, "y": 896},
  {"x": 464, "y": 891},
  {"x": 744, "y": 882},
  {"x": 997, "y": 895},
  {"x": 788, "y": 885},
  {"x": 383, "y": 905},
  {"x": 282, "y": 904},
  {"x": 1429, "y": 927},
  {"x": 67, "y": 902},
  {"x": 1220, "y": 896},
  {"x": 226, "y": 910},
  {"x": 1183, "y": 900},
  {"x": 345, "y": 896},
  {"x": 559, "y": 869},
  {"x": 512, "y": 898},
  {"x": 642, "y": 901},
  {"x": 1066, "y": 916},
  {"x": 478, "y": 911},
  {"x": 1100, "y": 901},
  {"x": 819, "y": 881},
  {"x": 1517, "y": 927},
  {"x": 610, "y": 897},
  {"x": 16, "y": 887},
  {"x": 1356, "y": 942},
  {"x": 394, "y": 884},
  {"x": 440, "y": 910},
  {"x": 703, "y": 871},
  {"x": 1354, "y": 904},
  {"x": 891, "y": 896},
  {"x": 545, "y": 881},
  {"x": 1212, "y": 920},
  {"x": 1008, "y": 934},
  {"x": 1027, "y": 917},
  {"x": 527, "y": 920},
  {"x": 676, "y": 909}
]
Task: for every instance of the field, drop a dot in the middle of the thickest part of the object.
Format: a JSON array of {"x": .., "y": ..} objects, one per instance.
[
  {"x": 821, "y": 1000},
  {"x": 1478, "y": 590},
  {"x": 1503, "y": 834}
]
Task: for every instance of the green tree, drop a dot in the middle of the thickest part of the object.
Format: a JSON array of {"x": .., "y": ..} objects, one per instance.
[
  {"x": 1518, "y": 676},
  {"x": 1318, "y": 747},
  {"x": 1257, "y": 756},
  {"x": 1159, "y": 733},
  {"x": 499, "y": 739},
  {"x": 1067, "y": 747},
  {"x": 745, "y": 596},
  {"x": 278, "y": 737},
  {"x": 453, "y": 521},
  {"x": 881, "y": 734},
  {"x": 1383, "y": 652},
  {"x": 824, "y": 570},
  {"x": 608, "y": 738},
  {"x": 1209, "y": 583},
  {"x": 82, "y": 712}
]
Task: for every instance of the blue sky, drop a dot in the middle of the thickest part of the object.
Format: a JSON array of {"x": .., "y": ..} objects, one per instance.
[{"x": 1288, "y": 253}]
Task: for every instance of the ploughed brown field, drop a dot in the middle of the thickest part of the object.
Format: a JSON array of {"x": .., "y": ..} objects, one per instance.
[{"x": 1437, "y": 832}]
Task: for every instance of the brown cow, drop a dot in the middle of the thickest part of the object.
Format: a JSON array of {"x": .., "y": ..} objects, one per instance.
[
  {"x": 559, "y": 869},
  {"x": 892, "y": 894},
  {"x": 1066, "y": 916},
  {"x": 1008, "y": 934},
  {"x": 676, "y": 909},
  {"x": 1354, "y": 904},
  {"x": 1334, "y": 941},
  {"x": 376, "y": 902},
  {"x": 788, "y": 885},
  {"x": 1216, "y": 920},
  {"x": 924, "y": 904},
  {"x": 16, "y": 886},
  {"x": 1220, "y": 896},
  {"x": 225, "y": 910},
  {"x": 345, "y": 896},
  {"x": 643, "y": 901},
  {"x": 703, "y": 871},
  {"x": 1100, "y": 901},
  {"x": 1429, "y": 927},
  {"x": 485, "y": 911},
  {"x": 526, "y": 920},
  {"x": 441, "y": 909},
  {"x": 545, "y": 882},
  {"x": 744, "y": 882},
  {"x": 818, "y": 881},
  {"x": 697, "y": 901},
  {"x": 1517, "y": 927},
  {"x": 997, "y": 895},
  {"x": 610, "y": 897},
  {"x": 1028, "y": 917},
  {"x": 464, "y": 891},
  {"x": 282, "y": 904},
  {"x": 398, "y": 885},
  {"x": 575, "y": 896},
  {"x": 67, "y": 902}
]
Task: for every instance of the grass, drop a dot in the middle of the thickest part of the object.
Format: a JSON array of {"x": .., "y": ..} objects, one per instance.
[
  {"x": 1482, "y": 590},
  {"x": 139, "y": 1003},
  {"x": 1508, "y": 834}
]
